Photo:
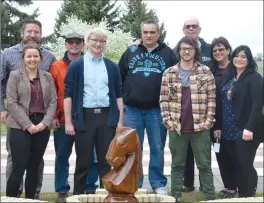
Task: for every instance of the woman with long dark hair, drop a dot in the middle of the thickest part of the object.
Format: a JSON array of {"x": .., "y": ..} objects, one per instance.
[{"x": 239, "y": 117}]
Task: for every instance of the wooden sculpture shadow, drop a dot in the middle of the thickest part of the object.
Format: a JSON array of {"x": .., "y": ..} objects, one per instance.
[{"x": 124, "y": 155}]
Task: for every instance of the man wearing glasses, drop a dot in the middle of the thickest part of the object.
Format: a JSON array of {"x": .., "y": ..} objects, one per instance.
[
  {"x": 187, "y": 102},
  {"x": 93, "y": 106},
  {"x": 192, "y": 28},
  {"x": 74, "y": 43}
]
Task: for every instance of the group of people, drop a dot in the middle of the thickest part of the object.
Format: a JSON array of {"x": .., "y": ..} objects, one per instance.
[{"x": 200, "y": 93}]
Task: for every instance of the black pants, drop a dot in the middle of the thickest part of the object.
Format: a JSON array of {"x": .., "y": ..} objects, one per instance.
[
  {"x": 27, "y": 152},
  {"x": 226, "y": 166},
  {"x": 243, "y": 153},
  {"x": 96, "y": 132}
]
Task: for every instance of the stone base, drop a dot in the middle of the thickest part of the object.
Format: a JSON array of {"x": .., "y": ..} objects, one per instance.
[
  {"x": 101, "y": 194},
  {"x": 13, "y": 199},
  {"x": 249, "y": 199}
]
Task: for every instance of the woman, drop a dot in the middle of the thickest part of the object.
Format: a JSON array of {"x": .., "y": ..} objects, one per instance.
[
  {"x": 240, "y": 99},
  {"x": 221, "y": 55},
  {"x": 31, "y": 104}
]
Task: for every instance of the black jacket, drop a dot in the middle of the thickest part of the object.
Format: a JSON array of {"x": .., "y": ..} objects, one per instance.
[
  {"x": 141, "y": 73},
  {"x": 246, "y": 101}
]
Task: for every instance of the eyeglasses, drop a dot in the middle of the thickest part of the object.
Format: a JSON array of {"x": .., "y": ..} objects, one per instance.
[
  {"x": 218, "y": 50},
  {"x": 189, "y": 49},
  {"x": 98, "y": 41},
  {"x": 194, "y": 26},
  {"x": 71, "y": 42}
]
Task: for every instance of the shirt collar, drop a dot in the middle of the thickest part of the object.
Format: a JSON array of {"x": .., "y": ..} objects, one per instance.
[{"x": 92, "y": 57}]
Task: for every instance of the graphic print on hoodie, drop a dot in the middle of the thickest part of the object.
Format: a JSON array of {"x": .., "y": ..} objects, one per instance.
[{"x": 141, "y": 73}]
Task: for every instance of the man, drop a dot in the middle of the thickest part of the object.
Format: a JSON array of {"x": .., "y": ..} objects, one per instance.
[
  {"x": 93, "y": 106},
  {"x": 11, "y": 60},
  {"x": 192, "y": 28},
  {"x": 187, "y": 101},
  {"x": 141, "y": 70},
  {"x": 74, "y": 43}
]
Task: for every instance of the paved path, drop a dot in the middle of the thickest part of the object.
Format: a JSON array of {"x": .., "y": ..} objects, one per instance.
[{"x": 49, "y": 158}]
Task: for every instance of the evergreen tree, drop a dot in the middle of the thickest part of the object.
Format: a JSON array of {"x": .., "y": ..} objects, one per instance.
[
  {"x": 12, "y": 20},
  {"x": 136, "y": 12},
  {"x": 89, "y": 11}
]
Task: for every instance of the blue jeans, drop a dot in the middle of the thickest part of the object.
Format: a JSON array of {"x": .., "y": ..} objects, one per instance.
[
  {"x": 63, "y": 147},
  {"x": 150, "y": 120}
]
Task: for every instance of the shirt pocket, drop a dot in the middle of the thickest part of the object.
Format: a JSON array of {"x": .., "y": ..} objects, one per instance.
[
  {"x": 174, "y": 88},
  {"x": 201, "y": 82}
]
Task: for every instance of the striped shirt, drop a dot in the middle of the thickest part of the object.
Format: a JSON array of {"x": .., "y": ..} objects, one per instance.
[
  {"x": 11, "y": 60},
  {"x": 202, "y": 85}
]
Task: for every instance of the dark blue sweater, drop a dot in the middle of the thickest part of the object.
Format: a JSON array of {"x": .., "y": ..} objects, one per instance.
[{"x": 74, "y": 85}]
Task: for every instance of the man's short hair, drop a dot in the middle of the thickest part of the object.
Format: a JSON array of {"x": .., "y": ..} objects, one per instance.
[
  {"x": 150, "y": 22},
  {"x": 30, "y": 21}
]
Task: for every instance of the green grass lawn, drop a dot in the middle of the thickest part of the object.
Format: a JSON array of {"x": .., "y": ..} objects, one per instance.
[{"x": 186, "y": 197}]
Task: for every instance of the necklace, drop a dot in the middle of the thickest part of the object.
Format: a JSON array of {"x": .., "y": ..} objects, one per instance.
[
  {"x": 36, "y": 90},
  {"x": 229, "y": 92}
]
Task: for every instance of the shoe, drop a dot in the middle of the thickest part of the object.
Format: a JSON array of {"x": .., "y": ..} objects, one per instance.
[
  {"x": 200, "y": 189},
  {"x": 229, "y": 195},
  {"x": 161, "y": 191},
  {"x": 19, "y": 194},
  {"x": 178, "y": 200},
  {"x": 222, "y": 193},
  {"x": 37, "y": 196},
  {"x": 62, "y": 197},
  {"x": 188, "y": 189},
  {"x": 90, "y": 192}
]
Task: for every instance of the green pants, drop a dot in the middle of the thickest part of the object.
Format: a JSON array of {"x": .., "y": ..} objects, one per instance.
[{"x": 201, "y": 147}]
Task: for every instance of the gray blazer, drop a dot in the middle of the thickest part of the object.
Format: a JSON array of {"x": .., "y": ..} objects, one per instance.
[{"x": 18, "y": 94}]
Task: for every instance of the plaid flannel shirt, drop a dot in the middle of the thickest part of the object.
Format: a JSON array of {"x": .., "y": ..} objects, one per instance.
[{"x": 202, "y": 85}]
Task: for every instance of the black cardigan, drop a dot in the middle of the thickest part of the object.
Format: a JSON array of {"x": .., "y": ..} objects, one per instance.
[{"x": 246, "y": 101}]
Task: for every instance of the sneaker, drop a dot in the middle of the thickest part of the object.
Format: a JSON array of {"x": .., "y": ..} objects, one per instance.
[
  {"x": 222, "y": 193},
  {"x": 62, "y": 197},
  {"x": 178, "y": 200},
  {"x": 19, "y": 194},
  {"x": 89, "y": 192},
  {"x": 161, "y": 191},
  {"x": 229, "y": 195},
  {"x": 188, "y": 189}
]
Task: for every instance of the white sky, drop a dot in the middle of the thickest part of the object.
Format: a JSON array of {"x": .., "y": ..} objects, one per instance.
[{"x": 241, "y": 22}]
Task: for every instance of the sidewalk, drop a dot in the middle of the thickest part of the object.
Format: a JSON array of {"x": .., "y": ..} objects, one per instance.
[{"x": 48, "y": 183}]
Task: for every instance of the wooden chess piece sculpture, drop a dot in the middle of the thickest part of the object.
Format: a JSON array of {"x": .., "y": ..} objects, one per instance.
[{"x": 124, "y": 155}]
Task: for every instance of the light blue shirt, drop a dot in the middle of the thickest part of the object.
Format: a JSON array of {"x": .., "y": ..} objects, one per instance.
[{"x": 95, "y": 92}]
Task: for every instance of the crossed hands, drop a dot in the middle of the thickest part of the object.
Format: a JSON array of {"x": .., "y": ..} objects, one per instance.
[
  {"x": 246, "y": 136},
  {"x": 33, "y": 129}
]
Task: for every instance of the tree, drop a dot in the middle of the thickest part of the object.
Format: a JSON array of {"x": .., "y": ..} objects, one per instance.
[
  {"x": 136, "y": 12},
  {"x": 12, "y": 20},
  {"x": 90, "y": 11},
  {"x": 117, "y": 41}
]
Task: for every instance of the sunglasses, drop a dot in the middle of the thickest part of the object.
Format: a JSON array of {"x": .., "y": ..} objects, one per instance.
[
  {"x": 77, "y": 42},
  {"x": 218, "y": 50},
  {"x": 191, "y": 26}
]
